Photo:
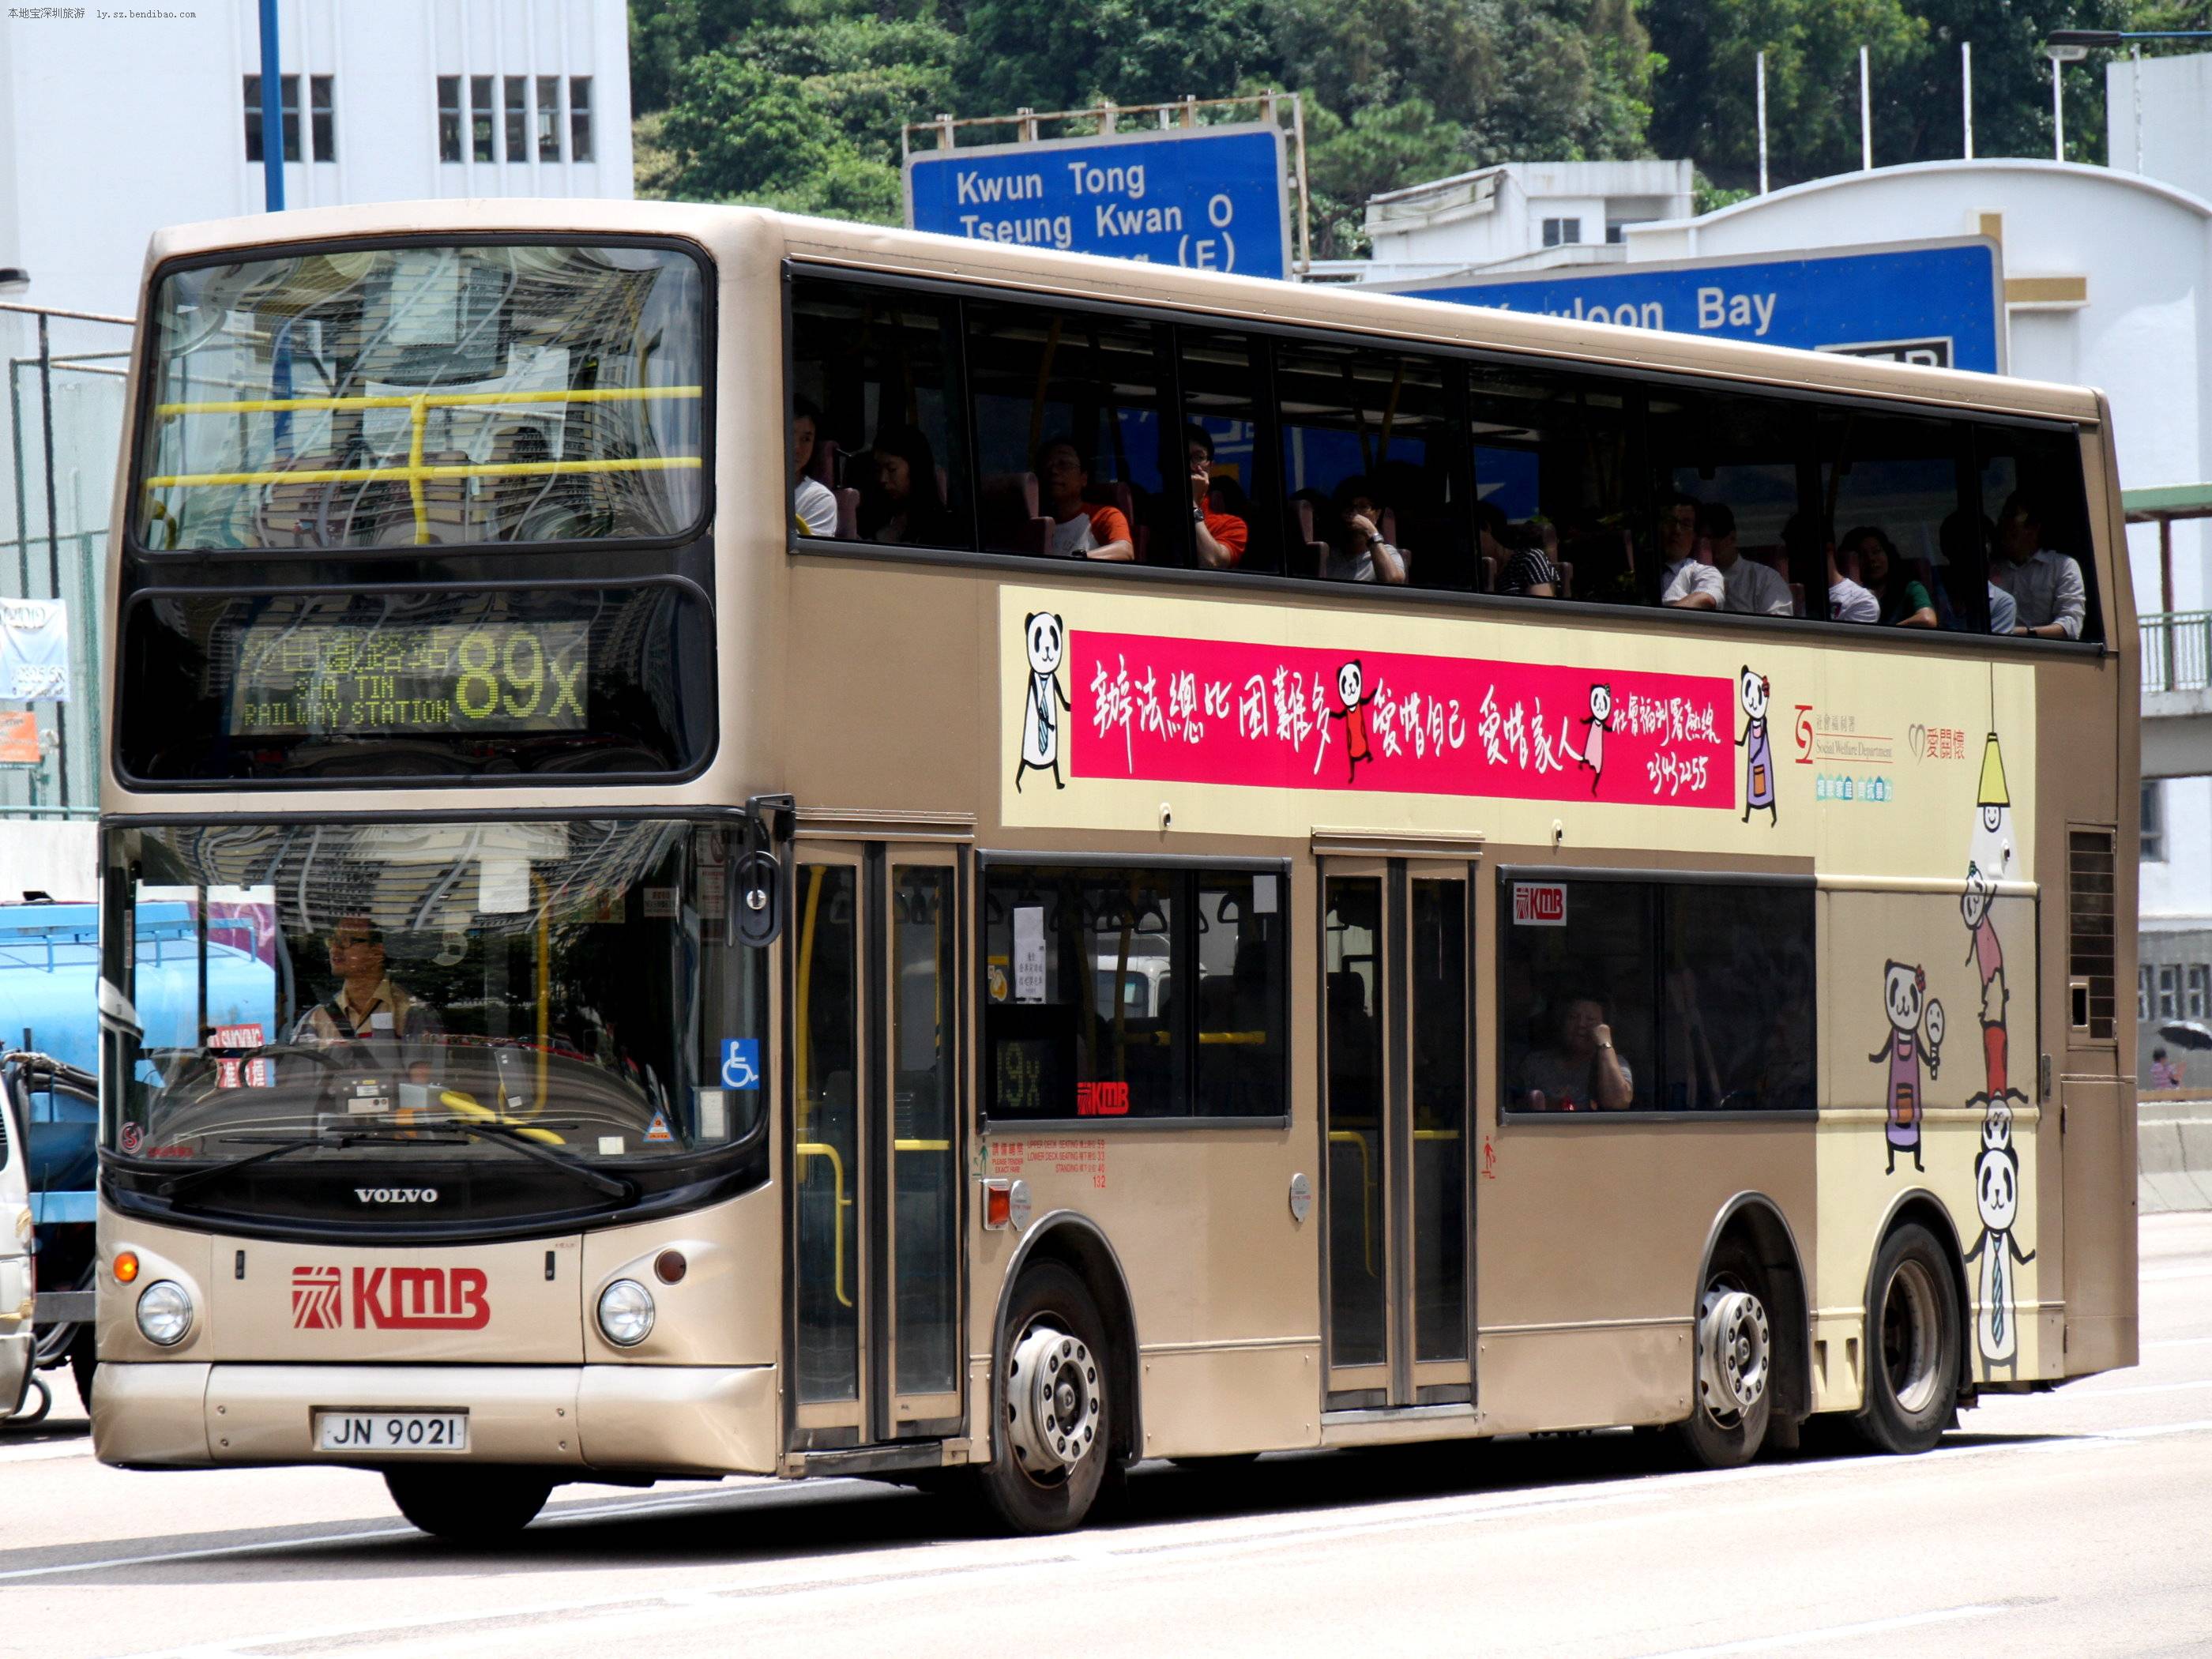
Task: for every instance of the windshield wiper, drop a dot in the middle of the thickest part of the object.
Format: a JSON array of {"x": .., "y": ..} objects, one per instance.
[
  {"x": 176, "y": 1184},
  {"x": 508, "y": 1136},
  {"x": 612, "y": 1185}
]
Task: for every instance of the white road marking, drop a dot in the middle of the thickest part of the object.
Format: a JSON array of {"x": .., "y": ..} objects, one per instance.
[{"x": 1801, "y": 1638}]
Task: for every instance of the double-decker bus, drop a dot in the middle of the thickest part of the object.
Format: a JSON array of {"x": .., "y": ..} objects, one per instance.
[{"x": 798, "y": 849}]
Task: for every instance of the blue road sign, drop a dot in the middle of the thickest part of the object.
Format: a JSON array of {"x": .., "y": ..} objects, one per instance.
[
  {"x": 1211, "y": 199},
  {"x": 1937, "y": 303}
]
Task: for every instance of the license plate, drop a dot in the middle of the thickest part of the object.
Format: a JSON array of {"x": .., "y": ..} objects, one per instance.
[{"x": 392, "y": 1431}]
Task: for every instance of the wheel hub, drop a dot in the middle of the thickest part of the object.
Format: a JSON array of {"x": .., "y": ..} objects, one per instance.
[
  {"x": 1055, "y": 1402},
  {"x": 1733, "y": 1347}
]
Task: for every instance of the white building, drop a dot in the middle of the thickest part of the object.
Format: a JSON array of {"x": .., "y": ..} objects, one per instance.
[
  {"x": 112, "y": 125},
  {"x": 1521, "y": 216},
  {"x": 2158, "y": 120}
]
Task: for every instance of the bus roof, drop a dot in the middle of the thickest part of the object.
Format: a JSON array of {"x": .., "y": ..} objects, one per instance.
[{"x": 756, "y": 239}]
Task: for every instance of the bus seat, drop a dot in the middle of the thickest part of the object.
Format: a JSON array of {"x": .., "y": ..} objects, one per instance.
[
  {"x": 848, "y": 514},
  {"x": 1487, "y": 569},
  {"x": 1011, "y": 521},
  {"x": 1796, "y": 599},
  {"x": 1306, "y": 552},
  {"x": 824, "y": 468},
  {"x": 1567, "y": 569}
]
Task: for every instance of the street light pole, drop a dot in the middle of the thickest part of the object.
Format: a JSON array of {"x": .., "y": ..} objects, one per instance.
[{"x": 272, "y": 114}]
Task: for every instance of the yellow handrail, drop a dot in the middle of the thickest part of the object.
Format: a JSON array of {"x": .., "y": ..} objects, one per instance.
[
  {"x": 469, "y": 1106},
  {"x": 806, "y": 1149},
  {"x": 922, "y": 1145},
  {"x": 418, "y": 406}
]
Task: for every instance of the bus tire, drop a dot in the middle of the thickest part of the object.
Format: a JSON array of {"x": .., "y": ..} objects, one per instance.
[
  {"x": 1914, "y": 1332},
  {"x": 83, "y": 1362},
  {"x": 468, "y": 1504},
  {"x": 1054, "y": 1438},
  {"x": 1732, "y": 1381}
]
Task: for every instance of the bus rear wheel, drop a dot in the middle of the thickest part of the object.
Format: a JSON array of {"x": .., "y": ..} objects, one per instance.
[
  {"x": 1733, "y": 1384},
  {"x": 468, "y": 1504},
  {"x": 1913, "y": 1336},
  {"x": 1055, "y": 1439}
]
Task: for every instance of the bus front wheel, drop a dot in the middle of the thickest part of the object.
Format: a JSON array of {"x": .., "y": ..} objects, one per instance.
[
  {"x": 1914, "y": 1334},
  {"x": 1054, "y": 1433},
  {"x": 1733, "y": 1384},
  {"x": 467, "y": 1504}
]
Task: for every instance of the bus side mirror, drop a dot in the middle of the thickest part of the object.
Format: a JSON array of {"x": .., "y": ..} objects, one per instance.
[{"x": 756, "y": 895}]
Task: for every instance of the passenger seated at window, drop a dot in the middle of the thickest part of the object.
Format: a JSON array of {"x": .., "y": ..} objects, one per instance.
[
  {"x": 1905, "y": 602},
  {"x": 1518, "y": 556},
  {"x": 1578, "y": 1070},
  {"x": 1349, "y": 524},
  {"x": 812, "y": 506},
  {"x": 905, "y": 505},
  {"x": 2045, "y": 587},
  {"x": 1685, "y": 583},
  {"x": 1748, "y": 588},
  {"x": 1080, "y": 528},
  {"x": 1847, "y": 601},
  {"x": 1960, "y": 552},
  {"x": 1220, "y": 537}
]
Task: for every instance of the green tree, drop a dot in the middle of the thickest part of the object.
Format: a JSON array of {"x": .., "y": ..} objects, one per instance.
[
  {"x": 1379, "y": 149},
  {"x": 1066, "y": 54}
]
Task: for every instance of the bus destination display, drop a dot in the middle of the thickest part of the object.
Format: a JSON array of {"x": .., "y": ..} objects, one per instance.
[{"x": 374, "y": 677}]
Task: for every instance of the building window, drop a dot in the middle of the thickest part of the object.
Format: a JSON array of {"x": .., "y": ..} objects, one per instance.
[
  {"x": 1615, "y": 230},
  {"x": 480, "y": 117},
  {"x": 449, "y": 117},
  {"x": 2169, "y": 980},
  {"x": 2154, "y": 821},
  {"x": 1142, "y": 993},
  {"x": 288, "y": 93},
  {"x": 323, "y": 118},
  {"x": 2198, "y": 977},
  {"x": 518, "y": 118},
  {"x": 549, "y": 117},
  {"x": 1562, "y": 232},
  {"x": 579, "y": 117}
]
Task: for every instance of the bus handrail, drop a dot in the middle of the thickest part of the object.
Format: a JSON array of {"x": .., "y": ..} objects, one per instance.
[
  {"x": 418, "y": 406},
  {"x": 806, "y": 1149}
]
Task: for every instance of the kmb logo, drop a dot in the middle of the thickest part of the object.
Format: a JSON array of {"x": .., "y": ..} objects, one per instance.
[{"x": 392, "y": 1298}]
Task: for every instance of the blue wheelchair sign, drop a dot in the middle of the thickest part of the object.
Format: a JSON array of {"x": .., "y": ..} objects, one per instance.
[{"x": 741, "y": 1062}]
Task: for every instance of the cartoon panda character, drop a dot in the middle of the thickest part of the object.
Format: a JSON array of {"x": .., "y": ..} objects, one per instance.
[
  {"x": 1352, "y": 709},
  {"x": 1599, "y": 722},
  {"x": 1046, "y": 638},
  {"x": 1996, "y": 1196},
  {"x": 1916, "y": 1028},
  {"x": 1757, "y": 746}
]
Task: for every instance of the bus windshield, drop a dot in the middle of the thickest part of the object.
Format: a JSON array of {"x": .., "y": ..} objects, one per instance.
[
  {"x": 402, "y": 397},
  {"x": 372, "y": 982}
]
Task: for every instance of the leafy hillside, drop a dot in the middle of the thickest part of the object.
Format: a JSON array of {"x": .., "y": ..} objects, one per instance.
[{"x": 799, "y": 103}]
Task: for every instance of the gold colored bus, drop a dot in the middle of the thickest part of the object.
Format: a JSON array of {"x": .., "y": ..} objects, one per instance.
[{"x": 737, "y": 844}]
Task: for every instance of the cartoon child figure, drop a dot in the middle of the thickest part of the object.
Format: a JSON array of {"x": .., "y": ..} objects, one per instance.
[
  {"x": 1352, "y": 711},
  {"x": 1757, "y": 746},
  {"x": 1997, "y": 1195},
  {"x": 1600, "y": 721},
  {"x": 1985, "y": 955},
  {"x": 1046, "y": 638},
  {"x": 1916, "y": 1028}
]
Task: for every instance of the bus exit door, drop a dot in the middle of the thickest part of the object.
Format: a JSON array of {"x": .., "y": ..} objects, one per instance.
[
  {"x": 873, "y": 1154},
  {"x": 1397, "y": 1109}
]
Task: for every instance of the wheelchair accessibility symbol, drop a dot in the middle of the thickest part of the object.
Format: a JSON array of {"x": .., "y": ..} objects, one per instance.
[{"x": 741, "y": 1063}]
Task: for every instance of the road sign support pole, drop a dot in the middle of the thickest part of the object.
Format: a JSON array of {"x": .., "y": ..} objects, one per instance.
[
  {"x": 1305, "y": 201},
  {"x": 1966, "y": 91},
  {"x": 272, "y": 112},
  {"x": 1866, "y": 115}
]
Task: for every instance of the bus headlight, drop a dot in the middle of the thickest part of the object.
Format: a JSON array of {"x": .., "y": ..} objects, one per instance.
[
  {"x": 626, "y": 1313},
  {"x": 165, "y": 1313}
]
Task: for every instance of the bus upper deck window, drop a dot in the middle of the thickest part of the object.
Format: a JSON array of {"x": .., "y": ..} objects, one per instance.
[{"x": 395, "y": 398}]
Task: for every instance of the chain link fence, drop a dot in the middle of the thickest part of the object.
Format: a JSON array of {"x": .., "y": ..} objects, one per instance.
[{"x": 61, "y": 429}]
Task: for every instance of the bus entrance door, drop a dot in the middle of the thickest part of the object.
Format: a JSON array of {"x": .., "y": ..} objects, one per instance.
[
  {"x": 875, "y": 1145},
  {"x": 1398, "y": 1108}
]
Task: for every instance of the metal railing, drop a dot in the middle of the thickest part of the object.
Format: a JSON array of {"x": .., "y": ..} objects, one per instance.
[{"x": 2177, "y": 650}]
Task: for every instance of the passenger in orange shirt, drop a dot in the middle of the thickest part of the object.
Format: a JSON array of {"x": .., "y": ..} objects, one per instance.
[
  {"x": 1081, "y": 529},
  {"x": 1220, "y": 537}
]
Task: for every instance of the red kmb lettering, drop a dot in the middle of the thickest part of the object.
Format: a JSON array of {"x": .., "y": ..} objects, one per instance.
[{"x": 421, "y": 1298}]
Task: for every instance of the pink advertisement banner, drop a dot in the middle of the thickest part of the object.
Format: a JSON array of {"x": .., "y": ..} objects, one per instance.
[{"x": 1276, "y": 717}]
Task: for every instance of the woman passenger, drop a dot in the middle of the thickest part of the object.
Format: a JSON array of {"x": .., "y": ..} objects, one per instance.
[
  {"x": 1905, "y": 602},
  {"x": 1349, "y": 524},
  {"x": 905, "y": 505}
]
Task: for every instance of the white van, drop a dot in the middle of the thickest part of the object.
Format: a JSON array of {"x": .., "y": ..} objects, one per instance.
[{"x": 15, "y": 1283}]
